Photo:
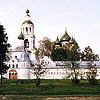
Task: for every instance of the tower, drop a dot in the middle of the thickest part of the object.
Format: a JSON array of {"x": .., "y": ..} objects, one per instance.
[{"x": 27, "y": 32}]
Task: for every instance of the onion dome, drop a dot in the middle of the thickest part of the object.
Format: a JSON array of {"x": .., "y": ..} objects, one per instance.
[
  {"x": 65, "y": 37},
  {"x": 21, "y": 36},
  {"x": 57, "y": 42}
]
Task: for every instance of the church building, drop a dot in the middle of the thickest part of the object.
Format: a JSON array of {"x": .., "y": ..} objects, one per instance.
[{"x": 24, "y": 54}]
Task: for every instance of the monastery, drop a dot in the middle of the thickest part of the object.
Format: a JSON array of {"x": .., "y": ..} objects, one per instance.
[{"x": 21, "y": 56}]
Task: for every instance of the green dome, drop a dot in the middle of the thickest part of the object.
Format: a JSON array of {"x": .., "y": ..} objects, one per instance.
[{"x": 65, "y": 37}]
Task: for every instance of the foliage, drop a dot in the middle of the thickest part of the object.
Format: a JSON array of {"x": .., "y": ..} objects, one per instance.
[
  {"x": 4, "y": 45},
  {"x": 68, "y": 52},
  {"x": 39, "y": 68},
  {"x": 60, "y": 54},
  {"x": 45, "y": 47},
  {"x": 73, "y": 72},
  {"x": 91, "y": 73},
  {"x": 90, "y": 57},
  {"x": 75, "y": 51}
]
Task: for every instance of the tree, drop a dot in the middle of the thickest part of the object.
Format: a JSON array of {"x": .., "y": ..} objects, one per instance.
[
  {"x": 75, "y": 72},
  {"x": 88, "y": 56},
  {"x": 45, "y": 47},
  {"x": 75, "y": 50},
  {"x": 39, "y": 67},
  {"x": 65, "y": 50},
  {"x": 74, "y": 60},
  {"x": 60, "y": 54},
  {"x": 91, "y": 73},
  {"x": 4, "y": 45}
]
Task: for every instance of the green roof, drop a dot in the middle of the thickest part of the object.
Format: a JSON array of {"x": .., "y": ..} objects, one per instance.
[
  {"x": 65, "y": 37},
  {"x": 57, "y": 42}
]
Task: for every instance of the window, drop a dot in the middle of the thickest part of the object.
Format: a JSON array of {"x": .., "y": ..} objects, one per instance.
[
  {"x": 12, "y": 73},
  {"x": 26, "y": 29},
  {"x": 15, "y": 73},
  {"x": 13, "y": 65},
  {"x": 30, "y": 29},
  {"x": 9, "y": 65},
  {"x": 9, "y": 73},
  {"x": 16, "y": 65},
  {"x": 26, "y": 43}
]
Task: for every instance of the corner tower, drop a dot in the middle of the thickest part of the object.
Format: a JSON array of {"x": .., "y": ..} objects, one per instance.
[{"x": 27, "y": 32}]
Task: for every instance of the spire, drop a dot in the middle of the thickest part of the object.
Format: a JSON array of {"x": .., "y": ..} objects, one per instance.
[
  {"x": 66, "y": 30},
  {"x": 57, "y": 40},
  {"x": 28, "y": 12},
  {"x": 65, "y": 37}
]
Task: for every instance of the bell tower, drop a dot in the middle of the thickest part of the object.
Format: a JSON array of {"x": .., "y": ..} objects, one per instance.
[{"x": 27, "y": 32}]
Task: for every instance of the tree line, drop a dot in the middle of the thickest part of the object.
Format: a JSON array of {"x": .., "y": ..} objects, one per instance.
[{"x": 65, "y": 49}]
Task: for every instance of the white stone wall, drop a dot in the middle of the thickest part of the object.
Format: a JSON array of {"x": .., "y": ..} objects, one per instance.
[{"x": 51, "y": 73}]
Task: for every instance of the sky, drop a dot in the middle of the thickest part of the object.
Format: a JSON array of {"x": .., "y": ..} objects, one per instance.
[{"x": 51, "y": 17}]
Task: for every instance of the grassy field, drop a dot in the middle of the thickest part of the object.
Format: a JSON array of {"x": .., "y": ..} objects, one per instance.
[{"x": 49, "y": 87}]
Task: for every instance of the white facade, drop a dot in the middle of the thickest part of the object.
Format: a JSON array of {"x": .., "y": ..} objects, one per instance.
[{"x": 19, "y": 63}]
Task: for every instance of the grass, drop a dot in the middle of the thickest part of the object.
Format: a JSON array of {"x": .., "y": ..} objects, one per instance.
[{"x": 49, "y": 87}]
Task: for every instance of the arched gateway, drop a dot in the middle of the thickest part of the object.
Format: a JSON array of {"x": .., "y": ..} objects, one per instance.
[{"x": 13, "y": 74}]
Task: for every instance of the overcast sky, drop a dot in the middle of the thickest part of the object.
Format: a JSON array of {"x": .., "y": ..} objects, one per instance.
[{"x": 81, "y": 17}]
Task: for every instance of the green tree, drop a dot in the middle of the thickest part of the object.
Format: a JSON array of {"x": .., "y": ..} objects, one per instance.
[
  {"x": 60, "y": 54},
  {"x": 89, "y": 56},
  {"x": 65, "y": 50},
  {"x": 75, "y": 50},
  {"x": 75, "y": 73},
  {"x": 39, "y": 67},
  {"x": 4, "y": 45},
  {"x": 74, "y": 60}
]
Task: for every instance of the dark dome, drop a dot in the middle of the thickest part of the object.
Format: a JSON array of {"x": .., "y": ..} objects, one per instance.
[
  {"x": 21, "y": 36},
  {"x": 27, "y": 21}
]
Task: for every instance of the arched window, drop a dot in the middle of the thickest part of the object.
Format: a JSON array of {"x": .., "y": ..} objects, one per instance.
[
  {"x": 26, "y": 43},
  {"x": 13, "y": 65},
  {"x": 30, "y": 29},
  {"x": 26, "y": 29},
  {"x": 16, "y": 65},
  {"x": 12, "y": 74}
]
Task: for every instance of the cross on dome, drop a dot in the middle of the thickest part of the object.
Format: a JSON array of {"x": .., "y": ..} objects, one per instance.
[{"x": 27, "y": 12}]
